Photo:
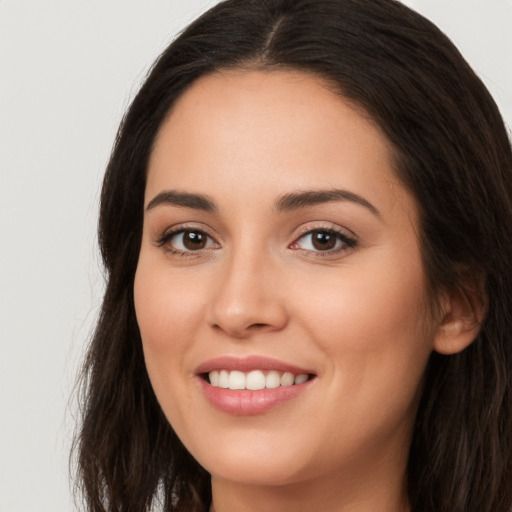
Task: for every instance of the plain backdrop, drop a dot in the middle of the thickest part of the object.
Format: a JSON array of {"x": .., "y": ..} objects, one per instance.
[{"x": 68, "y": 70}]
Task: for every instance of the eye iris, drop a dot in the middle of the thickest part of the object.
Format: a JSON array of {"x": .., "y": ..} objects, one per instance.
[
  {"x": 323, "y": 240},
  {"x": 193, "y": 240}
]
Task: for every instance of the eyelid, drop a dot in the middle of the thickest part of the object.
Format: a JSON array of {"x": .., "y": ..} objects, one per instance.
[
  {"x": 164, "y": 237},
  {"x": 347, "y": 236},
  {"x": 184, "y": 226},
  {"x": 327, "y": 226}
]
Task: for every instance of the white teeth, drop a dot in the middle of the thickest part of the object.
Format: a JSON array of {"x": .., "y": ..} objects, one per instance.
[
  {"x": 224, "y": 379},
  {"x": 214, "y": 378},
  {"x": 301, "y": 378},
  {"x": 255, "y": 379},
  {"x": 273, "y": 380},
  {"x": 236, "y": 380},
  {"x": 287, "y": 379}
]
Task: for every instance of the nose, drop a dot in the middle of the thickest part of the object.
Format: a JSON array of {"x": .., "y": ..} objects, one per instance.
[{"x": 248, "y": 296}]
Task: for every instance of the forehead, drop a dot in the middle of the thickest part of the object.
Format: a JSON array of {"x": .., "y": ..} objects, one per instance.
[{"x": 268, "y": 132}]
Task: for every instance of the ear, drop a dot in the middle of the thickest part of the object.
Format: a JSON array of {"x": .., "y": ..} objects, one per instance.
[{"x": 463, "y": 310}]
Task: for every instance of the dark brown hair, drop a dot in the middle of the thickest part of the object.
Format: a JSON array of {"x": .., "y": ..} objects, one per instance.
[{"x": 451, "y": 151}]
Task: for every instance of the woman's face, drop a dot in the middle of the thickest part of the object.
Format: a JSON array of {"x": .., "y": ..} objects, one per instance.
[{"x": 278, "y": 246}]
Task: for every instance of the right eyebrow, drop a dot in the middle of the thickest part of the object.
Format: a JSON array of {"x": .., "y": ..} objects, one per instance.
[
  {"x": 184, "y": 199},
  {"x": 305, "y": 198}
]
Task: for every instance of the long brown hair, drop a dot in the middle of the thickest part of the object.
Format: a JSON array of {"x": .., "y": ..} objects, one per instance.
[{"x": 451, "y": 151}]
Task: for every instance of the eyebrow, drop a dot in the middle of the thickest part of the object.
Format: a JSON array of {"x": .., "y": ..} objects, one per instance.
[
  {"x": 184, "y": 199},
  {"x": 303, "y": 199},
  {"x": 286, "y": 202}
]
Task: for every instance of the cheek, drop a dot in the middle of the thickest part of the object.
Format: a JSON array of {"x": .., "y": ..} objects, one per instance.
[
  {"x": 370, "y": 306},
  {"x": 167, "y": 309},
  {"x": 372, "y": 323},
  {"x": 168, "y": 312}
]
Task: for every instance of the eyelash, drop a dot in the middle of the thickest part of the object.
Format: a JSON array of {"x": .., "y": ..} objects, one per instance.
[
  {"x": 164, "y": 241},
  {"x": 348, "y": 242}
]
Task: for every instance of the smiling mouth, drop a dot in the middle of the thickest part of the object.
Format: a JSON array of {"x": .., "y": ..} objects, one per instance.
[
  {"x": 254, "y": 380},
  {"x": 247, "y": 386}
]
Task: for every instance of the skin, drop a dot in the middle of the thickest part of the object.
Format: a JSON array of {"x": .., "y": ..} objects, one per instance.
[{"x": 355, "y": 317}]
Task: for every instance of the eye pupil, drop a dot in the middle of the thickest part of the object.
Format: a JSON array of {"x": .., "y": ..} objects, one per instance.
[
  {"x": 193, "y": 240},
  {"x": 323, "y": 240}
]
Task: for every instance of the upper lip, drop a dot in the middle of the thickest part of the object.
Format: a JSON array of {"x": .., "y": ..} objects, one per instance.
[{"x": 246, "y": 364}]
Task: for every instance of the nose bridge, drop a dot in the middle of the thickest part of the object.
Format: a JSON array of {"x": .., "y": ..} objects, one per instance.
[{"x": 246, "y": 294}]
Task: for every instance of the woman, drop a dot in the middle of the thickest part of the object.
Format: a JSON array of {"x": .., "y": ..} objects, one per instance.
[{"x": 306, "y": 228}]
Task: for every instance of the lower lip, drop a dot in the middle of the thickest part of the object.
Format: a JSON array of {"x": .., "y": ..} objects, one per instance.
[{"x": 246, "y": 402}]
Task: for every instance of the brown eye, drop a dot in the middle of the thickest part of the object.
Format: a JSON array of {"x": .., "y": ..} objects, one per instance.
[
  {"x": 194, "y": 240},
  {"x": 187, "y": 241},
  {"x": 323, "y": 240}
]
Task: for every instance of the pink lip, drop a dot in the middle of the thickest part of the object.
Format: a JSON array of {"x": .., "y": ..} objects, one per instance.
[
  {"x": 246, "y": 364},
  {"x": 245, "y": 402}
]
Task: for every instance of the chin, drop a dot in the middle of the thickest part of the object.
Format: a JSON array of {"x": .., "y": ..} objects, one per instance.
[
  {"x": 258, "y": 461},
  {"x": 248, "y": 469}
]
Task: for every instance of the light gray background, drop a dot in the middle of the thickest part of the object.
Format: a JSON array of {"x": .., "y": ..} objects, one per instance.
[{"x": 68, "y": 69}]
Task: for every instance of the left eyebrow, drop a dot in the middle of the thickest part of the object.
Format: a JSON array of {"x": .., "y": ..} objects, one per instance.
[
  {"x": 183, "y": 199},
  {"x": 302, "y": 199}
]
